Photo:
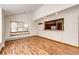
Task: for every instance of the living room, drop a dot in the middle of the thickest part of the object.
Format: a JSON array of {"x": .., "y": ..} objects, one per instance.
[{"x": 24, "y": 28}]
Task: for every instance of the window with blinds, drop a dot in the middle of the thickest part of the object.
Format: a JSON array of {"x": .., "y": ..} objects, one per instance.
[{"x": 18, "y": 28}]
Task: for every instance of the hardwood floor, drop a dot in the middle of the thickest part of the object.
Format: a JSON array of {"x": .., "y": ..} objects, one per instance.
[{"x": 37, "y": 46}]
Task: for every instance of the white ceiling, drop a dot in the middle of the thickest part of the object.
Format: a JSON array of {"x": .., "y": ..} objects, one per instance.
[{"x": 11, "y": 9}]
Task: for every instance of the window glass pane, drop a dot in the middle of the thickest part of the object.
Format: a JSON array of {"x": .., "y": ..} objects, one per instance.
[
  {"x": 25, "y": 29},
  {"x": 13, "y": 24},
  {"x": 20, "y": 29},
  {"x": 25, "y": 26},
  {"x": 13, "y": 29},
  {"x": 20, "y": 25}
]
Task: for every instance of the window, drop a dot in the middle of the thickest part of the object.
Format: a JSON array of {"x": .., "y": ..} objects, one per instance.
[
  {"x": 25, "y": 27},
  {"x": 18, "y": 28},
  {"x": 13, "y": 27}
]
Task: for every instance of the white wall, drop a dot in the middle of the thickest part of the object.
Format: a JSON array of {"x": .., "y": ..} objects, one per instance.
[
  {"x": 26, "y": 18},
  {"x": 2, "y": 28},
  {"x": 78, "y": 30},
  {"x": 0, "y": 25},
  {"x": 49, "y": 9},
  {"x": 70, "y": 33}
]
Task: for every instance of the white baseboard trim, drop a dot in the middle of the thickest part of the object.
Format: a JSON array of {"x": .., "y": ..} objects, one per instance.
[{"x": 75, "y": 45}]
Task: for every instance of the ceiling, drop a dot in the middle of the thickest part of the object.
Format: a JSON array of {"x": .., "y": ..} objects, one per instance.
[{"x": 11, "y": 9}]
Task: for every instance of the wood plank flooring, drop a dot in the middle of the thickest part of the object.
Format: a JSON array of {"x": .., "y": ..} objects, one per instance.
[{"x": 37, "y": 46}]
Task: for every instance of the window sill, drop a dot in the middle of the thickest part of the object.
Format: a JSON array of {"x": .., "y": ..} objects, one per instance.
[{"x": 18, "y": 34}]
